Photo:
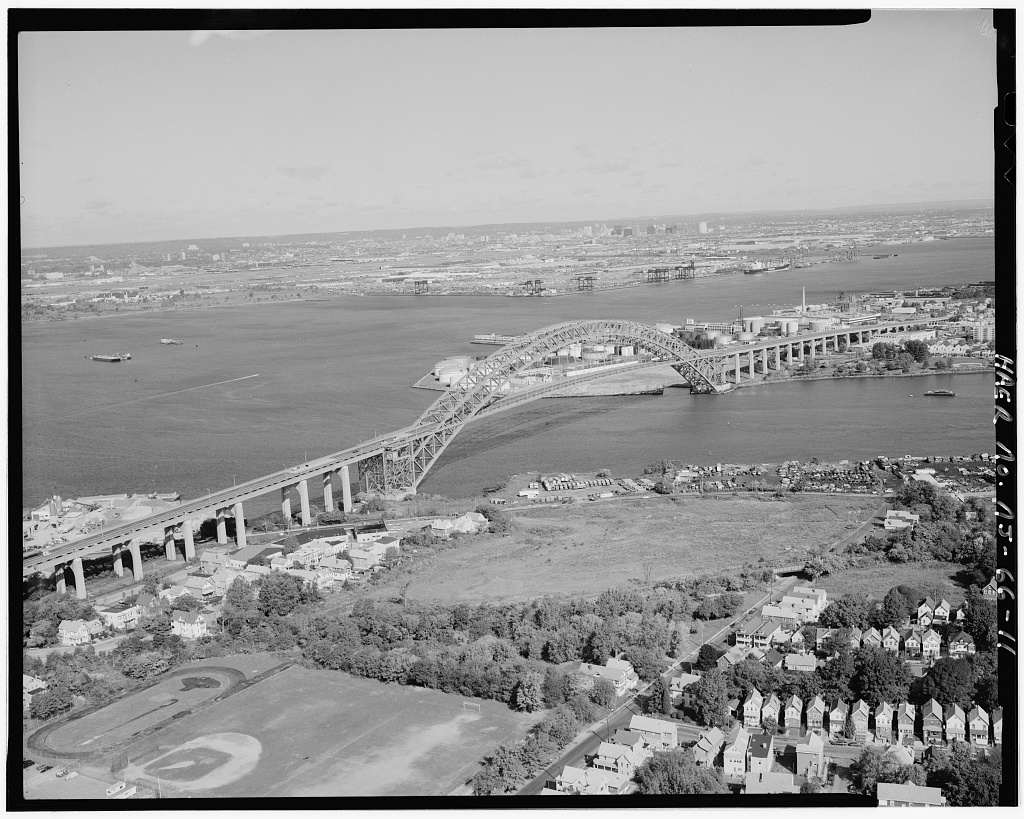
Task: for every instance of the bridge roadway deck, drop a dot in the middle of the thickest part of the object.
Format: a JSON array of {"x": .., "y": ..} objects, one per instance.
[{"x": 102, "y": 543}]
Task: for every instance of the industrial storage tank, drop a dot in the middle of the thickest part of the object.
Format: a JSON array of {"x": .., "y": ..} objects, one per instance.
[
  {"x": 711, "y": 335},
  {"x": 790, "y": 326},
  {"x": 624, "y": 349},
  {"x": 817, "y": 325},
  {"x": 450, "y": 375},
  {"x": 754, "y": 324},
  {"x": 746, "y": 337},
  {"x": 723, "y": 338},
  {"x": 664, "y": 328}
]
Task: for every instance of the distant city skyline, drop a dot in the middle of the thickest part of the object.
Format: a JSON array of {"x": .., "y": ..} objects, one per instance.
[{"x": 151, "y": 136}]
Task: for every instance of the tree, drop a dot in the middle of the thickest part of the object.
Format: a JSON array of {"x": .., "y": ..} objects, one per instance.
[
  {"x": 675, "y": 772},
  {"x": 879, "y": 675},
  {"x": 603, "y": 693},
  {"x": 528, "y": 694},
  {"x": 949, "y": 681},
  {"x": 659, "y": 698},
  {"x": 867, "y": 768},
  {"x": 846, "y": 612},
  {"x": 279, "y": 593},
  {"x": 707, "y": 657},
  {"x": 969, "y": 782},
  {"x": 498, "y": 520},
  {"x": 918, "y": 350},
  {"x": 894, "y": 610},
  {"x": 239, "y": 595},
  {"x": 50, "y": 702},
  {"x": 981, "y": 622},
  {"x": 711, "y": 700}
]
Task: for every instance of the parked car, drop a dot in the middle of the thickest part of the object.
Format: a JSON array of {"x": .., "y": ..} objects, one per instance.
[
  {"x": 62, "y": 773},
  {"x": 44, "y": 768},
  {"x": 27, "y": 763}
]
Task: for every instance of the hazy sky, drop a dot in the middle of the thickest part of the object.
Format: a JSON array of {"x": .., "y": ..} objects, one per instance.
[{"x": 143, "y": 136}]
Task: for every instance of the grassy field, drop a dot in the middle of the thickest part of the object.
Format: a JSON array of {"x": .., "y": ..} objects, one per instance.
[
  {"x": 322, "y": 733},
  {"x": 587, "y": 548},
  {"x": 936, "y": 579}
]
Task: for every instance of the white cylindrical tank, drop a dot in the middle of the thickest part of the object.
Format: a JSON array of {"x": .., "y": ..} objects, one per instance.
[
  {"x": 746, "y": 337},
  {"x": 664, "y": 328},
  {"x": 451, "y": 376},
  {"x": 723, "y": 338},
  {"x": 575, "y": 350},
  {"x": 817, "y": 325},
  {"x": 713, "y": 334},
  {"x": 625, "y": 349},
  {"x": 790, "y": 326},
  {"x": 756, "y": 325}
]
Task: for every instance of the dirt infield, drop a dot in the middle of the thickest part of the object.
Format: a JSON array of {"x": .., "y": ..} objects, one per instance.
[{"x": 322, "y": 733}]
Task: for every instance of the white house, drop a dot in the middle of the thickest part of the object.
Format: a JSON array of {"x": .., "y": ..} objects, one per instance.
[
  {"x": 73, "y": 633},
  {"x": 189, "y": 625}
]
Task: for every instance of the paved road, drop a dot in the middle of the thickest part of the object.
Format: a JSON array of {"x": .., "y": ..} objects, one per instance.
[{"x": 587, "y": 743}]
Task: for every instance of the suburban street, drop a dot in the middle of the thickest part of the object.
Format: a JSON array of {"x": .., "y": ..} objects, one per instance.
[{"x": 587, "y": 742}]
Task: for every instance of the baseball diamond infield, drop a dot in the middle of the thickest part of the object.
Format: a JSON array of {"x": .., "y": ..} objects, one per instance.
[{"x": 322, "y": 733}]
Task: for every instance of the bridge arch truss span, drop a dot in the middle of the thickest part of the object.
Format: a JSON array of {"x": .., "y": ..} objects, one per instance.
[{"x": 406, "y": 463}]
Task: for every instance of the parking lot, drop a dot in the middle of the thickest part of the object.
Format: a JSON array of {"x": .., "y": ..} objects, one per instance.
[{"x": 47, "y": 785}]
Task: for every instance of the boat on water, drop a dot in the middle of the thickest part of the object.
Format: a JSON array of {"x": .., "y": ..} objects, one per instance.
[
  {"x": 761, "y": 268},
  {"x": 941, "y": 393},
  {"x": 112, "y": 357},
  {"x": 170, "y": 341}
]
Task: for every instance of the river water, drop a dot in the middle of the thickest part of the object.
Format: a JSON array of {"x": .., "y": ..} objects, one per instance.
[{"x": 330, "y": 374}]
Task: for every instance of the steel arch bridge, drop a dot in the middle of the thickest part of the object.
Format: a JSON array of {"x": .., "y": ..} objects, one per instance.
[{"x": 406, "y": 459}]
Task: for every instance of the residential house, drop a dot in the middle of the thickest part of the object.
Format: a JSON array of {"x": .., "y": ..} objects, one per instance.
[
  {"x": 631, "y": 739},
  {"x": 960, "y": 644},
  {"x": 771, "y": 782},
  {"x": 821, "y": 635},
  {"x": 931, "y": 645},
  {"x": 363, "y": 559},
  {"x": 708, "y": 747},
  {"x": 222, "y": 580},
  {"x": 871, "y": 638},
  {"x": 898, "y": 755},
  {"x": 804, "y": 608},
  {"x": 784, "y": 614},
  {"x": 95, "y": 626},
  {"x": 761, "y": 752},
  {"x": 734, "y": 755},
  {"x": 815, "y": 714},
  {"x": 800, "y": 662},
  {"x": 960, "y": 614},
  {"x": 147, "y": 602},
  {"x": 752, "y": 708},
  {"x": 732, "y": 656},
  {"x": 883, "y": 721},
  {"x": 941, "y": 612},
  {"x": 617, "y": 676},
  {"x": 856, "y": 635},
  {"x": 469, "y": 523},
  {"x": 256, "y": 572},
  {"x": 681, "y": 688},
  {"x": 891, "y": 639},
  {"x": 978, "y": 723},
  {"x": 658, "y": 734},
  {"x": 955, "y": 723},
  {"x": 837, "y": 718},
  {"x": 990, "y": 589},
  {"x": 441, "y": 528},
  {"x": 744, "y": 633},
  {"x": 911, "y": 642},
  {"x": 899, "y": 519},
  {"x": 625, "y": 665},
  {"x": 280, "y": 563},
  {"x": 859, "y": 714},
  {"x": 909, "y": 795},
  {"x": 926, "y": 612},
  {"x": 189, "y": 625},
  {"x": 793, "y": 712},
  {"x": 997, "y": 726},
  {"x": 906, "y": 714},
  {"x": 931, "y": 722},
  {"x": 30, "y": 686},
  {"x": 818, "y": 597},
  {"x": 173, "y": 593},
  {"x": 581, "y": 781},
  {"x": 211, "y": 561},
  {"x": 771, "y": 709},
  {"x": 735, "y": 709},
  {"x": 810, "y": 755},
  {"x": 121, "y": 616},
  {"x": 73, "y": 633},
  {"x": 338, "y": 567},
  {"x": 199, "y": 587},
  {"x": 616, "y": 758},
  {"x": 768, "y": 633}
]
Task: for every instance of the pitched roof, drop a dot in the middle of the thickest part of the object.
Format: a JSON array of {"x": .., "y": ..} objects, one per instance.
[
  {"x": 190, "y": 617},
  {"x": 812, "y": 744},
  {"x": 931, "y": 709},
  {"x": 642, "y": 723},
  {"x": 816, "y": 703},
  {"x": 909, "y": 792},
  {"x": 977, "y": 712}
]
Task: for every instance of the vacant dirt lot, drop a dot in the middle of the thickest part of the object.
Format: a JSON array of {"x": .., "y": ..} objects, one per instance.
[
  {"x": 323, "y": 733},
  {"x": 936, "y": 579},
  {"x": 586, "y": 548}
]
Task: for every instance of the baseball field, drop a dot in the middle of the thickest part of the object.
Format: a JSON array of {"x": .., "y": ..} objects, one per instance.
[{"x": 321, "y": 733}]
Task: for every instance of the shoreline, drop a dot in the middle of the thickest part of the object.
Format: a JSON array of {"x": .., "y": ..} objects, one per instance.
[{"x": 974, "y": 371}]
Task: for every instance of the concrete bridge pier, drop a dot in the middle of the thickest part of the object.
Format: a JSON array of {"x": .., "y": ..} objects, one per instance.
[
  {"x": 286, "y": 505},
  {"x": 79, "y": 572},
  {"x": 169, "y": 551},
  {"x": 190, "y": 544},
  {"x": 346, "y": 489},
  {"x": 58, "y": 575},
  {"x": 328, "y": 493},
  {"x": 778, "y": 357},
  {"x": 750, "y": 363},
  {"x": 118, "y": 562},
  {"x": 736, "y": 366},
  {"x": 303, "y": 488},
  {"x": 800, "y": 351},
  {"x": 239, "y": 525},
  {"x": 222, "y": 527},
  {"x": 136, "y": 552}
]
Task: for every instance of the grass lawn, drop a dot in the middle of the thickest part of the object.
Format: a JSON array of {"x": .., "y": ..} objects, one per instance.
[
  {"x": 932, "y": 578},
  {"x": 323, "y": 733},
  {"x": 586, "y": 548}
]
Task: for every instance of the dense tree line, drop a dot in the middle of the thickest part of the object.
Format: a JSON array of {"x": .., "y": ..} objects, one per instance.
[{"x": 675, "y": 772}]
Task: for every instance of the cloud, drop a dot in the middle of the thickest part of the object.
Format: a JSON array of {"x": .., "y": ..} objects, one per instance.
[
  {"x": 501, "y": 163},
  {"x": 583, "y": 150},
  {"x": 665, "y": 163},
  {"x": 607, "y": 167},
  {"x": 532, "y": 173},
  {"x": 309, "y": 173},
  {"x": 753, "y": 164},
  {"x": 85, "y": 180},
  {"x": 97, "y": 204},
  {"x": 583, "y": 191}
]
